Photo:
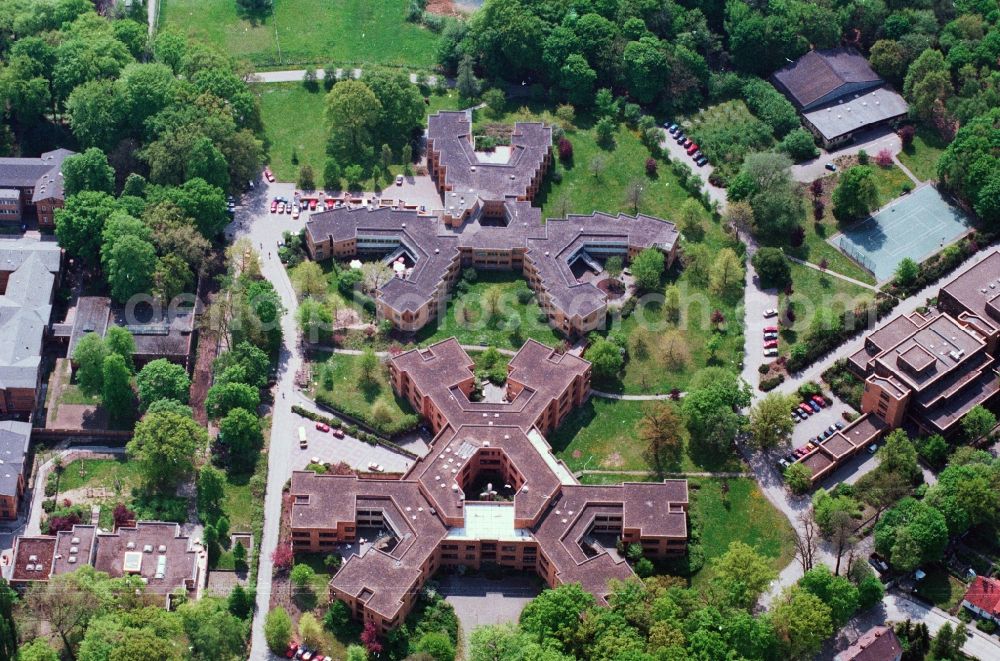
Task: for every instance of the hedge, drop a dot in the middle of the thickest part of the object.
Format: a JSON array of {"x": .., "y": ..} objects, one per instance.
[
  {"x": 852, "y": 323},
  {"x": 361, "y": 435}
]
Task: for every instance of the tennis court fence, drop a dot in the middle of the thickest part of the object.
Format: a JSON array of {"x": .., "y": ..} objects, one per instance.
[{"x": 865, "y": 262}]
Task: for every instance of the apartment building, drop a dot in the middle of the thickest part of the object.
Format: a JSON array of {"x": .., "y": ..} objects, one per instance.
[
  {"x": 14, "y": 439},
  {"x": 489, "y": 492},
  {"x": 32, "y": 187}
]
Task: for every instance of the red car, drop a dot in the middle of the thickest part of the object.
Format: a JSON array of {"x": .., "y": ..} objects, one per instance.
[
  {"x": 338, "y": 432},
  {"x": 323, "y": 427},
  {"x": 771, "y": 344},
  {"x": 819, "y": 400},
  {"x": 274, "y": 206},
  {"x": 293, "y": 647},
  {"x": 770, "y": 329},
  {"x": 268, "y": 175},
  {"x": 312, "y": 205},
  {"x": 693, "y": 148}
]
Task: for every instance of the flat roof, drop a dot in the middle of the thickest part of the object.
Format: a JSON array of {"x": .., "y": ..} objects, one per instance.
[
  {"x": 489, "y": 521},
  {"x": 977, "y": 289},
  {"x": 854, "y": 112}
]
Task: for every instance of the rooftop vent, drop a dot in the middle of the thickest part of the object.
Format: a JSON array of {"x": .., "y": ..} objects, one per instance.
[
  {"x": 32, "y": 558},
  {"x": 71, "y": 560},
  {"x": 148, "y": 548}
]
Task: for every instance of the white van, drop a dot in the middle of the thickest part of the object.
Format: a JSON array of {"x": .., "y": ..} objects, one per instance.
[{"x": 303, "y": 441}]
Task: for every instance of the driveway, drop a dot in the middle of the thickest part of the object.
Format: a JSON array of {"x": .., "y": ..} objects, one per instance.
[
  {"x": 755, "y": 302},
  {"x": 871, "y": 141},
  {"x": 677, "y": 153},
  {"x": 479, "y": 601}
]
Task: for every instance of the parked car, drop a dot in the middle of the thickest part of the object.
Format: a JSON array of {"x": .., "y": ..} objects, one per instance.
[
  {"x": 819, "y": 400},
  {"x": 831, "y": 167},
  {"x": 692, "y": 148},
  {"x": 771, "y": 353},
  {"x": 832, "y": 429},
  {"x": 680, "y": 137},
  {"x": 839, "y": 425},
  {"x": 790, "y": 458},
  {"x": 274, "y": 205},
  {"x": 771, "y": 344},
  {"x": 770, "y": 336},
  {"x": 806, "y": 409},
  {"x": 281, "y": 207},
  {"x": 672, "y": 128},
  {"x": 701, "y": 160},
  {"x": 782, "y": 464},
  {"x": 815, "y": 407},
  {"x": 303, "y": 439},
  {"x": 873, "y": 448},
  {"x": 323, "y": 427},
  {"x": 795, "y": 418},
  {"x": 338, "y": 432},
  {"x": 293, "y": 647},
  {"x": 268, "y": 175},
  {"x": 295, "y": 212},
  {"x": 375, "y": 468},
  {"x": 399, "y": 180},
  {"x": 312, "y": 204},
  {"x": 687, "y": 142},
  {"x": 770, "y": 329},
  {"x": 697, "y": 155},
  {"x": 770, "y": 312},
  {"x": 810, "y": 446}
]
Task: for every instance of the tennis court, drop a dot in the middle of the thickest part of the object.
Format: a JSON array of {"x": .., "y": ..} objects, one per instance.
[{"x": 915, "y": 226}]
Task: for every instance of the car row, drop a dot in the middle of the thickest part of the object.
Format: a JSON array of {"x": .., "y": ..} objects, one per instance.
[
  {"x": 303, "y": 653},
  {"x": 690, "y": 146},
  {"x": 812, "y": 405},
  {"x": 771, "y": 341},
  {"x": 325, "y": 428}
]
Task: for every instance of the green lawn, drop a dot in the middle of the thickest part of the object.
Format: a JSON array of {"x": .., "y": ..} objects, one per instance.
[
  {"x": 813, "y": 290},
  {"x": 744, "y": 515},
  {"x": 922, "y": 155},
  {"x": 109, "y": 473},
  {"x": 294, "y": 123},
  {"x": 344, "y": 32},
  {"x": 602, "y": 435},
  {"x": 941, "y": 588},
  {"x": 72, "y": 394},
  {"x": 890, "y": 182},
  {"x": 337, "y": 378},
  {"x": 465, "y": 319}
]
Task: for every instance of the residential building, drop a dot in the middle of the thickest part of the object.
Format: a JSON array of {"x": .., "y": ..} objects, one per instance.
[
  {"x": 14, "y": 439},
  {"x": 489, "y": 493},
  {"x": 560, "y": 259},
  {"x": 838, "y": 94},
  {"x": 160, "y": 331},
  {"x": 166, "y": 560},
  {"x": 926, "y": 370},
  {"x": 877, "y": 644},
  {"x": 983, "y": 598},
  {"x": 38, "y": 184},
  {"x": 29, "y": 275}
]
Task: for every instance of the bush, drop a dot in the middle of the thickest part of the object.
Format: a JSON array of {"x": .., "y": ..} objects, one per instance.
[
  {"x": 799, "y": 145},
  {"x": 986, "y": 626},
  {"x": 565, "y": 149},
  {"x": 771, "y": 383},
  {"x": 651, "y": 167}
]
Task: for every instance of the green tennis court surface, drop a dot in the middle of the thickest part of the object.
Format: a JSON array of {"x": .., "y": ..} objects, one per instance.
[{"x": 915, "y": 226}]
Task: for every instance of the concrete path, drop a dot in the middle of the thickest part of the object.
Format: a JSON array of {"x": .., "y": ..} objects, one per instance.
[
  {"x": 632, "y": 398},
  {"x": 833, "y": 273},
  {"x": 732, "y": 474},
  {"x": 871, "y": 141},
  {"x": 906, "y": 170},
  {"x": 716, "y": 194},
  {"x": 297, "y": 75}
]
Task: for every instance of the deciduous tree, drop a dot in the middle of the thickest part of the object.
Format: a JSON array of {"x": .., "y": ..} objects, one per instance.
[{"x": 166, "y": 445}]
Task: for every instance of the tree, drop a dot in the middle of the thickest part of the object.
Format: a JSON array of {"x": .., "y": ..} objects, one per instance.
[
  {"x": 647, "y": 269},
  {"x": 889, "y": 58},
  {"x": 211, "y": 488},
  {"x": 352, "y": 113},
  {"x": 802, "y": 622},
  {"x": 898, "y": 456},
  {"x": 466, "y": 82},
  {"x": 302, "y": 576},
  {"x": 206, "y": 163},
  {"x": 633, "y": 194},
  {"x": 240, "y": 602},
  {"x": 805, "y": 541},
  {"x": 727, "y": 274},
  {"x": 835, "y": 591},
  {"x": 437, "y": 646},
  {"x": 606, "y": 358},
  {"x": 660, "y": 428},
  {"x": 89, "y": 356},
  {"x": 307, "y": 180},
  {"x": 773, "y": 268},
  {"x": 119, "y": 340},
  {"x": 116, "y": 390},
  {"x": 800, "y": 145},
  {"x": 202, "y": 203},
  {"x": 80, "y": 222},
  {"x": 604, "y": 130},
  {"x": 171, "y": 278},
  {"x": 556, "y": 614},
  {"x": 210, "y": 538},
  {"x": 710, "y": 409},
  {"x": 213, "y": 631},
  {"x": 148, "y": 632},
  {"x": 368, "y": 366},
  {"x": 88, "y": 171},
  {"x": 222, "y": 398},
  {"x": 35, "y": 650},
  {"x": 96, "y": 112},
  {"x": 907, "y": 272},
  {"x": 856, "y": 195},
  {"x": 690, "y": 220},
  {"x": 8, "y": 627},
  {"x": 928, "y": 84},
  {"x": 672, "y": 303},
  {"x": 252, "y": 363},
  {"x": 978, "y": 422},
  {"x": 798, "y": 477},
  {"x": 740, "y": 576},
  {"x": 161, "y": 379},
  {"x": 314, "y": 320},
  {"x": 646, "y": 67},
  {"x": 911, "y": 533},
  {"x": 310, "y": 631},
  {"x": 495, "y": 101},
  {"x": 131, "y": 263},
  {"x": 278, "y": 630},
  {"x": 770, "y": 424},
  {"x": 240, "y": 432},
  {"x": 577, "y": 80},
  {"x": 948, "y": 642},
  {"x": 165, "y": 445},
  {"x": 331, "y": 174},
  {"x": 597, "y": 165}
]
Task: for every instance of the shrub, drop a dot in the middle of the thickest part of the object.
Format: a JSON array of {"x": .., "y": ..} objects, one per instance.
[
  {"x": 651, "y": 167},
  {"x": 883, "y": 158},
  {"x": 772, "y": 382},
  {"x": 862, "y": 157},
  {"x": 906, "y": 134},
  {"x": 565, "y": 149}
]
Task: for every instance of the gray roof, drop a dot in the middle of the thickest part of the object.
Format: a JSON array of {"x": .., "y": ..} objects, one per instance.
[
  {"x": 43, "y": 174},
  {"x": 25, "y": 307},
  {"x": 14, "y": 438},
  {"x": 468, "y": 176},
  {"x": 856, "y": 111},
  {"x": 819, "y": 75},
  {"x": 551, "y": 247}
]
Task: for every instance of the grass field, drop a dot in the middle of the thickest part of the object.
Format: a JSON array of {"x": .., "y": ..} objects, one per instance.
[
  {"x": 465, "y": 318},
  {"x": 100, "y": 473},
  {"x": 602, "y": 435},
  {"x": 294, "y": 122},
  {"x": 349, "y": 32},
  {"x": 743, "y": 514},
  {"x": 890, "y": 182},
  {"x": 922, "y": 155},
  {"x": 941, "y": 588},
  {"x": 813, "y": 290},
  {"x": 338, "y": 377}
]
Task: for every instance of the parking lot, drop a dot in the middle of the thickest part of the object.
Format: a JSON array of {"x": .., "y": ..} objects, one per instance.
[{"x": 329, "y": 449}]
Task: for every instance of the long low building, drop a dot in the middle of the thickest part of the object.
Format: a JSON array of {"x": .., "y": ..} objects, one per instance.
[
  {"x": 165, "y": 559},
  {"x": 434, "y": 256},
  {"x": 489, "y": 492}
]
